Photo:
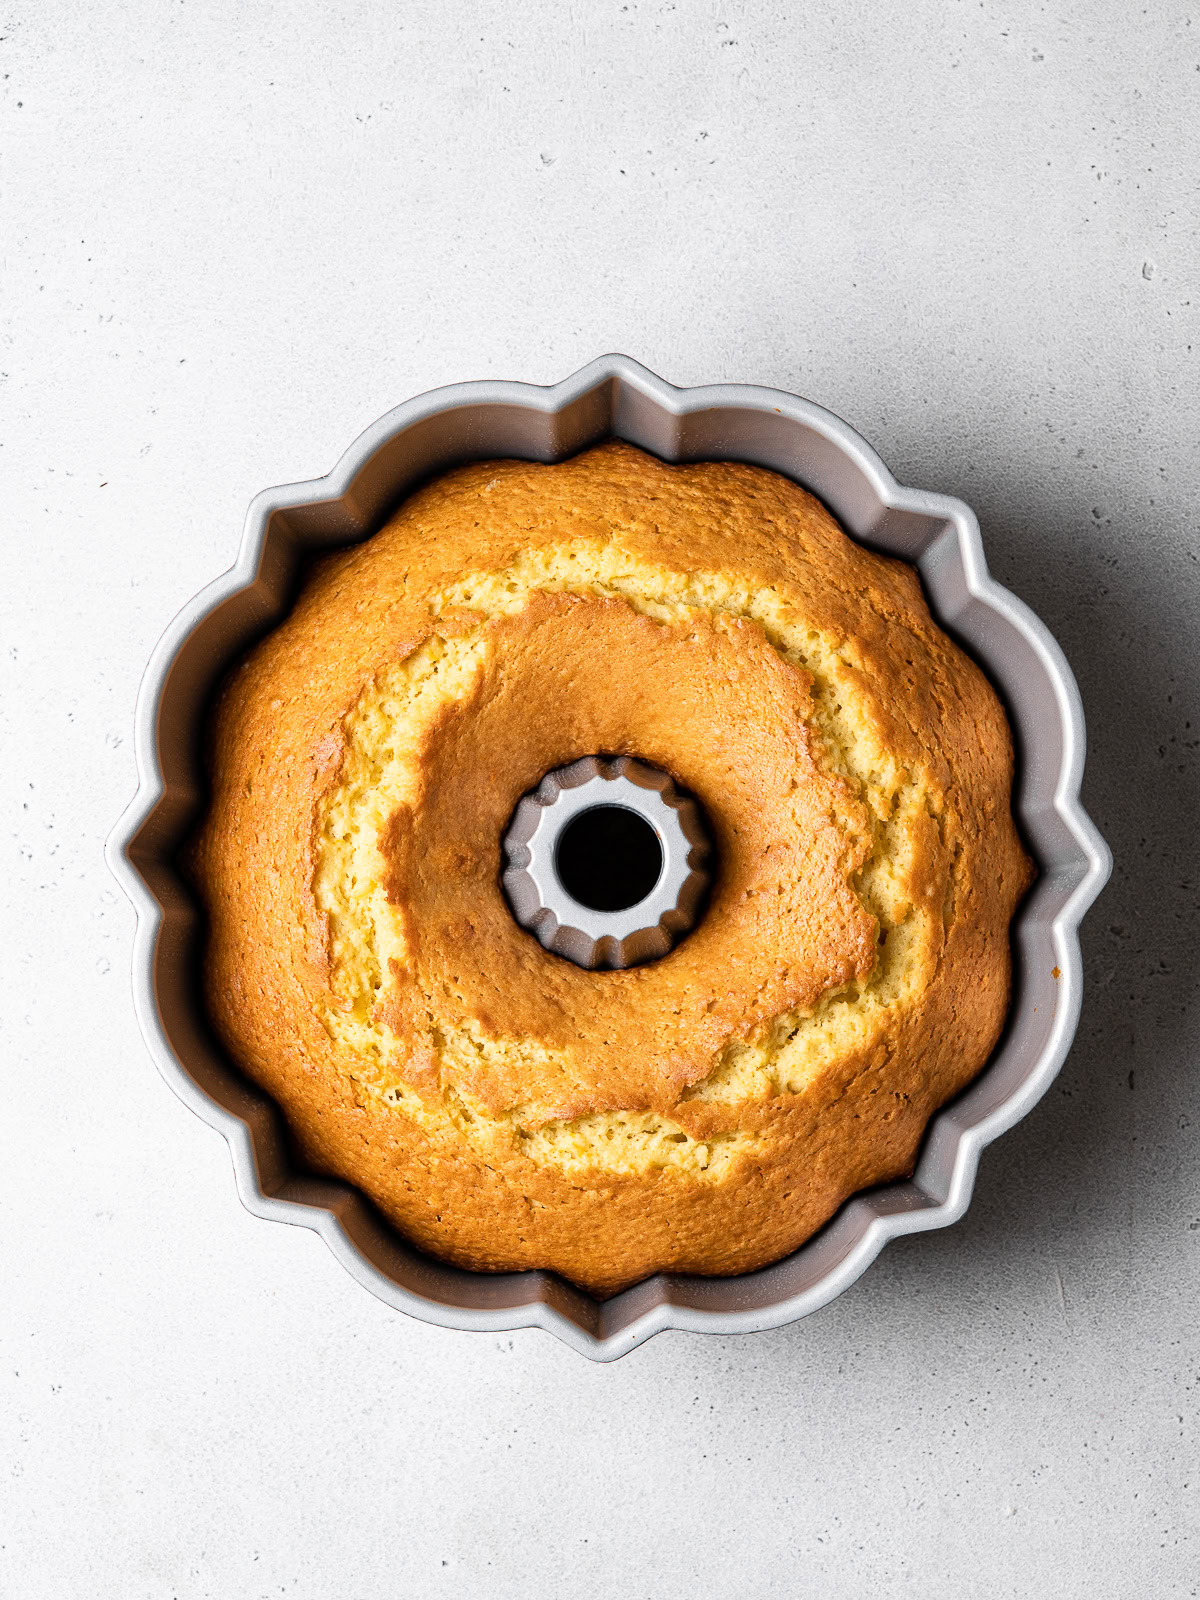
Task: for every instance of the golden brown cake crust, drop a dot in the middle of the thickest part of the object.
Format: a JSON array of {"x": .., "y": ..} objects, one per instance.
[{"x": 702, "y": 1113}]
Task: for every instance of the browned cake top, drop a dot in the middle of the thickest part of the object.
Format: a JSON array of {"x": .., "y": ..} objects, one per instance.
[{"x": 703, "y": 1112}]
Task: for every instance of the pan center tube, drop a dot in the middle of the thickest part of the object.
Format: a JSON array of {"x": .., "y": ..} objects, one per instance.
[{"x": 606, "y": 862}]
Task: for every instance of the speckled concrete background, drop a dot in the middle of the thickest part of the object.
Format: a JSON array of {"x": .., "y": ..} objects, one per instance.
[{"x": 232, "y": 237}]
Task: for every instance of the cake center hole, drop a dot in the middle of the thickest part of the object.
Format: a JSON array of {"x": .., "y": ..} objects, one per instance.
[{"x": 608, "y": 858}]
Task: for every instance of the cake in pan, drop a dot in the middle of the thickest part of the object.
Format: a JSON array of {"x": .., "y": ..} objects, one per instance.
[{"x": 702, "y": 1112}]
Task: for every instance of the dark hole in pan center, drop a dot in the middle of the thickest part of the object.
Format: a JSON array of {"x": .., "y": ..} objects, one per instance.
[{"x": 608, "y": 858}]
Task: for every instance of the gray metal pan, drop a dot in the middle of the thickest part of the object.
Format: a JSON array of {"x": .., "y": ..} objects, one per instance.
[{"x": 474, "y": 421}]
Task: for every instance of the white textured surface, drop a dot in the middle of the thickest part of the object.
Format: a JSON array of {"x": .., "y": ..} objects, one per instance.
[{"x": 231, "y": 238}]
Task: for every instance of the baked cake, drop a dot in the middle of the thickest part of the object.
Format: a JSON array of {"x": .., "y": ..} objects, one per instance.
[{"x": 705, "y": 1112}]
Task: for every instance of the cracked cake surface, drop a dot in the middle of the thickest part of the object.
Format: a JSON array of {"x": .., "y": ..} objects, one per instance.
[{"x": 704, "y": 1112}]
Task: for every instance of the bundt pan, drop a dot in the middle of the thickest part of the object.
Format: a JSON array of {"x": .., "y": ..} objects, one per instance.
[{"x": 474, "y": 421}]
